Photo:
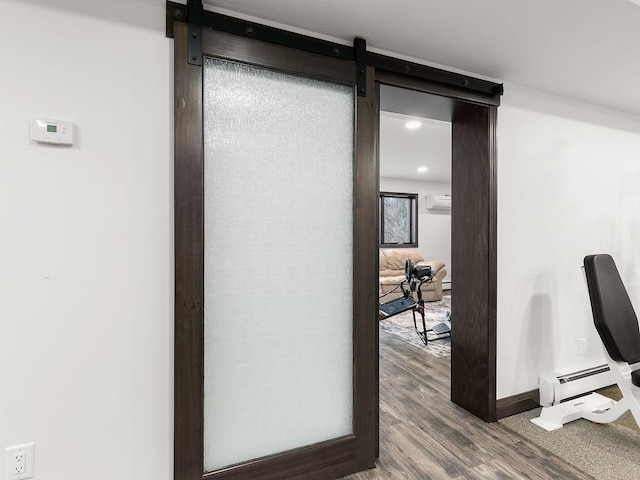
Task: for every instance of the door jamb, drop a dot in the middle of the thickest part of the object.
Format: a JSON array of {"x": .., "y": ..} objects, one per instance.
[{"x": 474, "y": 244}]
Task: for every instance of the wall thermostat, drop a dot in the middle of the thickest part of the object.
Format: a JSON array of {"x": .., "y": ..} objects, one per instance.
[{"x": 55, "y": 132}]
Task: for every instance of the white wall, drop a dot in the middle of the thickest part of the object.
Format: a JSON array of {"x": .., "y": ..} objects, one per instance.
[
  {"x": 86, "y": 253},
  {"x": 434, "y": 226},
  {"x": 568, "y": 179}
]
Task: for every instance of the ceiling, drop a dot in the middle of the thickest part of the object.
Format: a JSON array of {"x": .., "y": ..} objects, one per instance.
[
  {"x": 583, "y": 49},
  {"x": 402, "y": 150}
]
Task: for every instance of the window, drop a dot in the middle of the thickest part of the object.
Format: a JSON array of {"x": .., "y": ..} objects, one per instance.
[{"x": 398, "y": 219}]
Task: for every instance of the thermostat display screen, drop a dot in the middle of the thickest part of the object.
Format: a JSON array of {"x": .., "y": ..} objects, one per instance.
[{"x": 52, "y": 128}]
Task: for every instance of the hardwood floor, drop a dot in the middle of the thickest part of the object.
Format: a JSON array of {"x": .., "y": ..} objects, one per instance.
[{"x": 425, "y": 436}]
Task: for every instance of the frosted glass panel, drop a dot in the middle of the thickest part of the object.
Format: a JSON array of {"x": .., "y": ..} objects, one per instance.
[{"x": 278, "y": 262}]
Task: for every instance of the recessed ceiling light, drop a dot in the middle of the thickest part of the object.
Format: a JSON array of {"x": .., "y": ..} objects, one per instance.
[
  {"x": 422, "y": 169},
  {"x": 413, "y": 124}
]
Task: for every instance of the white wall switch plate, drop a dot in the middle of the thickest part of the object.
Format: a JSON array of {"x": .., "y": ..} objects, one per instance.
[
  {"x": 19, "y": 462},
  {"x": 55, "y": 132},
  {"x": 582, "y": 346}
]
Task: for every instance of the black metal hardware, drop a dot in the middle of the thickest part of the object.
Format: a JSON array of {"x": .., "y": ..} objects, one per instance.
[
  {"x": 434, "y": 74},
  {"x": 360, "y": 48},
  {"x": 195, "y": 13}
]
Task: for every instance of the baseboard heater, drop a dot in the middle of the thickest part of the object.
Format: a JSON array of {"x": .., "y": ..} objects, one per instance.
[{"x": 554, "y": 389}]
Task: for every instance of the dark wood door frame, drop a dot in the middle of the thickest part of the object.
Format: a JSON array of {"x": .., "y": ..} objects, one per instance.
[
  {"x": 473, "y": 242},
  {"x": 474, "y": 254}
]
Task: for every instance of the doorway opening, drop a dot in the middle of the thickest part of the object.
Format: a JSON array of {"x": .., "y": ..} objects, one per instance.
[
  {"x": 415, "y": 160},
  {"x": 467, "y": 151}
]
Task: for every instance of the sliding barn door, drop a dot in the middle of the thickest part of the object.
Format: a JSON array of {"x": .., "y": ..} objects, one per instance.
[{"x": 275, "y": 287}]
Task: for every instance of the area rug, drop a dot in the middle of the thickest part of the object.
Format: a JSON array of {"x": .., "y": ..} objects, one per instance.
[
  {"x": 607, "y": 452},
  {"x": 401, "y": 326},
  {"x": 627, "y": 420}
]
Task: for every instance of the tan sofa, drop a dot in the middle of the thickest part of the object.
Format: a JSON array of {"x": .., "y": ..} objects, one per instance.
[{"x": 391, "y": 273}]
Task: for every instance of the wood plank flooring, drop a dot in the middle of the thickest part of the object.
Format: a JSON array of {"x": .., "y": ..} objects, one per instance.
[{"x": 425, "y": 436}]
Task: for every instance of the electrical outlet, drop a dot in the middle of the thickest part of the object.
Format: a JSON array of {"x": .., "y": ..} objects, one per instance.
[{"x": 19, "y": 462}]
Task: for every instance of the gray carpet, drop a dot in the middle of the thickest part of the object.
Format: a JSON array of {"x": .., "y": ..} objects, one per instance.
[
  {"x": 402, "y": 326},
  {"x": 607, "y": 452}
]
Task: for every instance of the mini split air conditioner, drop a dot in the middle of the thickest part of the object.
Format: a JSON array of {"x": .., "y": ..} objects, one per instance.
[{"x": 439, "y": 202}]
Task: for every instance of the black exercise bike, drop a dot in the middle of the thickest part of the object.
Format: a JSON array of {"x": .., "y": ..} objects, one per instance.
[{"x": 415, "y": 276}]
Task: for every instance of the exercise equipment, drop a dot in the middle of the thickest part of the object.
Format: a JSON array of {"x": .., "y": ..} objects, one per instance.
[
  {"x": 617, "y": 324},
  {"x": 415, "y": 276}
]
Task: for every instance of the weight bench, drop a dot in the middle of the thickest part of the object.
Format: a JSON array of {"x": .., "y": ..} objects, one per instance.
[{"x": 617, "y": 324}]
